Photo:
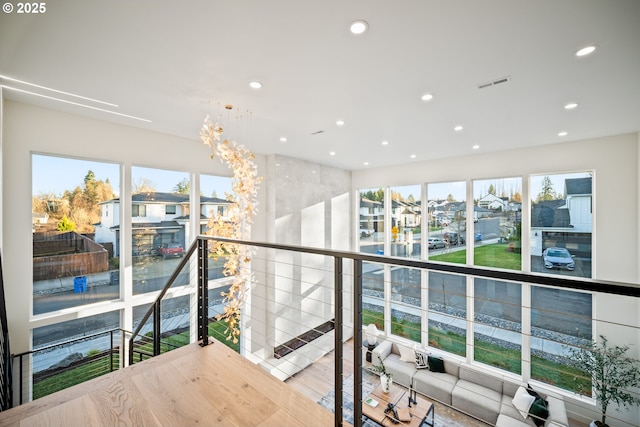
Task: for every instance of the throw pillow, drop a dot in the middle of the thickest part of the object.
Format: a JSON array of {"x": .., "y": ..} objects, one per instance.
[
  {"x": 436, "y": 364},
  {"x": 537, "y": 395},
  {"x": 406, "y": 354},
  {"x": 522, "y": 401},
  {"x": 532, "y": 392},
  {"x": 422, "y": 361},
  {"x": 539, "y": 412}
]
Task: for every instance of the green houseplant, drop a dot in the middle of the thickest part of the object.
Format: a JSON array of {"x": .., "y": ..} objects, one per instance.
[
  {"x": 385, "y": 377},
  {"x": 612, "y": 375}
]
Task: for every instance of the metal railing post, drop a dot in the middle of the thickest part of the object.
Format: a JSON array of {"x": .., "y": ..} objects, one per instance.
[
  {"x": 111, "y": 351},
  {"x": 156, "y": 327},
  {"x": 338, "y": 368},
  {"x": 203, "y": 295},
  {"x": 357, "y": 342}
]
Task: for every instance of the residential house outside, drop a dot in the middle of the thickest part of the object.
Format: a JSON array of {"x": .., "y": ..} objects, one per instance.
[{"x": 157, "y": 218}]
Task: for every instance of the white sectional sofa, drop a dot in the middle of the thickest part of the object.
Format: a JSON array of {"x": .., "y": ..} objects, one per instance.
[{"x": 468, "y": 389}]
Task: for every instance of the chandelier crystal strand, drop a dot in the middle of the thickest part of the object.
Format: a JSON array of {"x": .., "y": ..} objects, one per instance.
[{"x": 245, "y": 184}]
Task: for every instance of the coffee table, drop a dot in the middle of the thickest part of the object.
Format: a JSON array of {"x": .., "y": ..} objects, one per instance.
[{"x": 421, "y": 413}]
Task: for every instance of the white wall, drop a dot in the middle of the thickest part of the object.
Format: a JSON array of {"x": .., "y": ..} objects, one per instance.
[
  {"x": 308, "y": 205},
  {"x": 28, "y": 129}
]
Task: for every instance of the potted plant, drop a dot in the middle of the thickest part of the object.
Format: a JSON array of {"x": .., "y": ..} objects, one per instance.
[
  {"x": 385, "y": 377},
  {"x": 612, "y": 375}
]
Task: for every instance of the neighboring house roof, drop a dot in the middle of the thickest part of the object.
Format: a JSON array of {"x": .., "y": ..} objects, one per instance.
[
  {"x": 364, "y": 202},
  {"x": 158, "y": 197},
  {"x": 575, "y": 186},
  {"x": 156, "y": 225},
  {"x": 489, "y": 198}
]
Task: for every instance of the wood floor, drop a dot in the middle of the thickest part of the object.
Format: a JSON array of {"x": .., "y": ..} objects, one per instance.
[{"x": 210, "y": 386}]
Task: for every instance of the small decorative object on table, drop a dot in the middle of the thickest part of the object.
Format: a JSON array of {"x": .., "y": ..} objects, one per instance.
[
  {"x": 385, "y": 377},
  {"x": 371, "y": 402}
]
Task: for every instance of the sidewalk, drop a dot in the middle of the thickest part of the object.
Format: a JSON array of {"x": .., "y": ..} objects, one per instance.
[{"x": 539, "y": 344}]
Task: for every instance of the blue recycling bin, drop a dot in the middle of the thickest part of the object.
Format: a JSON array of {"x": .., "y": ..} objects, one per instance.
[{"x": 80, "y": 284}]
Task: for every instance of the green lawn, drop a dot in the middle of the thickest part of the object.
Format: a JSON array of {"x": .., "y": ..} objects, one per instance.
[
  {"x": 497, "y": 255},
  {"x": 93, "y": 369}
]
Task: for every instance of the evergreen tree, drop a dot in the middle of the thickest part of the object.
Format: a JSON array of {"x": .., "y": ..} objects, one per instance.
[
  {"x": 183, "y": 187},
  {"x": 546, "y": 190}
]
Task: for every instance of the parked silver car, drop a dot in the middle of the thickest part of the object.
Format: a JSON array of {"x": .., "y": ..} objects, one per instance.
[
  {"x": 435, "y": 243},
  {"x": 558, "y": 258}
]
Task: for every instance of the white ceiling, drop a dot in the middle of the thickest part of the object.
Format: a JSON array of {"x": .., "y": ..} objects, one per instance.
[{"x": 174, "y": 62}]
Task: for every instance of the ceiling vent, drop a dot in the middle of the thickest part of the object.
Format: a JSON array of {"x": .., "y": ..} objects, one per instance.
[
  {"x": 317, "y": 132},
  {"x": 495, "y": 82}
]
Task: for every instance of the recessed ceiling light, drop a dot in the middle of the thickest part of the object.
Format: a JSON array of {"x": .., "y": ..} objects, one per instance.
[
  {"x": 340, "y": 123},
  {"x": 458, "y": 128},
  {"x": 255, "y": 85},
  {"x": 385, "y": 142},
  {"x": 475, "y": 147},
  {"x": 570, "y": 106},
  {"x": 366, "y": 163},
  {"x": 427, "y": 97},
  {"x": 563, "y": 133},
  {"x": 413, "y": 156},
  {"x": 332, "y": 153},
  {"x": 313, "y": 171},
  {"x": 585, "y": 51},
  {"x": 283, "y": 139},
  {"x": 358, "y": 27}
]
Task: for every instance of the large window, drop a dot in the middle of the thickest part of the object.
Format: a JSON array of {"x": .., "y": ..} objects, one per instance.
[
  {"x": 371, "y": 221},
  {"x": 498, "y": 323},
  {"x": 559, "y": 319},
  {"x": 74, "y": 261},
  {"x": 448, "y": 312},
  {"x": 214, "y": 205},
  {"x": 497, "y": 230},
  {"x": 561, "y": 224},
  {"x": 447, "y": 222},
  {"x": 405, "y": 283},
  {"x": 371, "y": 235},
  {"x": 158, "y": 242},
  {"x": 85, "y": 341}
]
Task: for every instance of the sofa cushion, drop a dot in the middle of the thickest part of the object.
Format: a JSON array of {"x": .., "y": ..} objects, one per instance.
[
  {"x": 478, "y": 377},
  {"x": 557, "y": 412},
  {"x": 508, "y": 409},
  {"x": 476, "y": 400},
  {"x": 507, "y": 421},
  {"x": 510, "y": 387},
  {"x": 435, "y": 385}
]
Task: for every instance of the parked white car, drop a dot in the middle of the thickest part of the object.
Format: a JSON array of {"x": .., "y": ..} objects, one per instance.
[
  {"x": 558, "y": 258},
  {"x": 366, "y": 232}
]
